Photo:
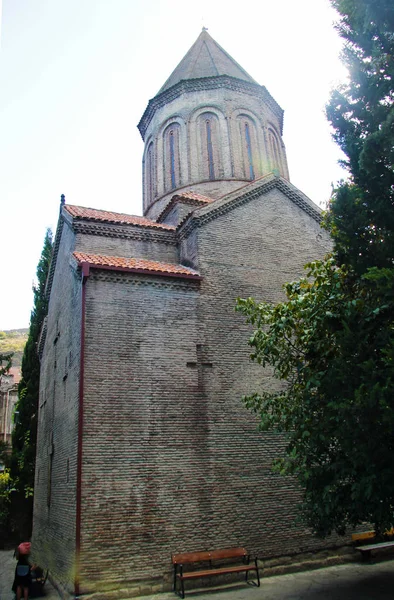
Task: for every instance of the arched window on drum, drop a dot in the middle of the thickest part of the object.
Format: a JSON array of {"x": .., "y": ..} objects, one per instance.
[
  {"x": 247, "y": 130},
  {"x": 276, "y": 162},
  {"x": 149, "y": 175},
  {"x": 210, "y": 165},
  {"x": 172, "y": 164}
]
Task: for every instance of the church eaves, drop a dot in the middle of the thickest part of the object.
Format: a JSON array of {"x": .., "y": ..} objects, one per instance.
[
  {"x": 248, "y": 192},
  {"x": 205, "y": 59},
  {"x": 134, "y": 265},
  {"x": 92, "y": 214},
  {"x": 188, "y": 197}
]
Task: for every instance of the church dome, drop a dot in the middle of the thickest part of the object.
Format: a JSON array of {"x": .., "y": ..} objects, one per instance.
[{"x": 211, "y": 128}]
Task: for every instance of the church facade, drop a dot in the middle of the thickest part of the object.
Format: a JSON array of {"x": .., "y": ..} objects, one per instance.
[{"x": 144, "y": 446}]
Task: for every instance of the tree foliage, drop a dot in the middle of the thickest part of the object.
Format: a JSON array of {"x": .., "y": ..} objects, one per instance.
[
  {"x": 361, "y": 215},
  {"x": 6, "y": 489},
  {"x": 337, "y": 404},
  {"x": 24, "y": 436},
  {"x": 5, "y": 363},
  {"x": 331, "y": 343}
]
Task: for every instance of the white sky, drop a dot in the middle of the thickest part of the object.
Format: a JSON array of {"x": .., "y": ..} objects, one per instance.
[{"x": 76, "y": 76}]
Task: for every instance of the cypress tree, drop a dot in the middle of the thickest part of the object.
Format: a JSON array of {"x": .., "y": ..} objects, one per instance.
[{"x": 24, "y": 436}]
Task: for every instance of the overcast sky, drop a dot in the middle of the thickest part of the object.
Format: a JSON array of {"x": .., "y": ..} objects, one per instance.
[{"x": 76, "y": 76}]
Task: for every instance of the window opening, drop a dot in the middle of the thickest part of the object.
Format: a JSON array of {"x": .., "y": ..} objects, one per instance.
[
  {"x": 172, "y": 159},
  {"x": 249, "y": 149},
  {"x": 150, "y": 173},
  {"x": 210, "y": 150}
]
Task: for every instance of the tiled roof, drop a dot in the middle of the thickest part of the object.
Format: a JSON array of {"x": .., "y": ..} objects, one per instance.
[
  {"x": 193, "y": 196},
  {"x": 190, "y": 197},
  {"x": 16, "y": 373},
  {"x": 135, "y": 264},
  {"x": 80, "y": 212}
]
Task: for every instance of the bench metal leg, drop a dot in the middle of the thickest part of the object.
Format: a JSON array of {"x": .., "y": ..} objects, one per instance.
[
  {"x": 174, "y": 587},
  {"x": 182, "y": 589},
  {"x": 257, "y": 576},
  {"x": 257, "y": 573}
]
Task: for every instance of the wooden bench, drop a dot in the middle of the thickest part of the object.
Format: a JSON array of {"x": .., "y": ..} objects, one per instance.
[
  {"x": 367, "y": 549},
  {"x": 225, "y": 555}
]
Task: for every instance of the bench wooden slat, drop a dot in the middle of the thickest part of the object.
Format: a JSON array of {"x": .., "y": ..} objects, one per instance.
[
  {"x": 219, "y": 571},
  {"x": 190, "y": 557},
  {"x": 369, "y": 547},
  {"x": 228, "y": 553}
]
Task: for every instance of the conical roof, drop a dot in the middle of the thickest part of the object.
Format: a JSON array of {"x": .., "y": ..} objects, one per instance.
[{"x": 206, "y": 59}]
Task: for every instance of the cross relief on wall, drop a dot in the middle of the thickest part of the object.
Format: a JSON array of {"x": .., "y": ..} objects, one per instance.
[{"x": 201, "y": 365}]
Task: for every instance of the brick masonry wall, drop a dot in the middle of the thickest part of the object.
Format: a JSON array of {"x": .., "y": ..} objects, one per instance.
[
  {"x": 54, "y": 523},
  {"x": 172, "y": 460},
  {"x": 145, "y": 431},
  {"x": 134, "y": 243},
  {"x": 250, "y": 251}
]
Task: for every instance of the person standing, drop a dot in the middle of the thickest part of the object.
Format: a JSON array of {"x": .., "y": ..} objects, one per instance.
[{"x": 22, "y": 580}]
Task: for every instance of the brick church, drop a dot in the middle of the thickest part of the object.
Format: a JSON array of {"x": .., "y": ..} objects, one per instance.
[{"x": 144, "y": 445}]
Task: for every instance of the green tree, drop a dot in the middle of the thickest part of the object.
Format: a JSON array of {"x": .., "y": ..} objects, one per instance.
[
  {"x": 331, "y": 343},
  {"x": 5, "y": 480},
  {"x": 24, "y": 436},
  {"x": 361, "y": 216},
  {"x": 6, "y": 489},
  {"x": 5, "y": 363}
]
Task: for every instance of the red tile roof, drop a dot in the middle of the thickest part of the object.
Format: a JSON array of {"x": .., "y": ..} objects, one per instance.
[
  {"x": 92, "y": 214},
  {"x": 14, "y": 373},
  {"x": 135, "y": 264},
  {"x": 193, "y": 196},
  {"x": 188, "y": 195}
]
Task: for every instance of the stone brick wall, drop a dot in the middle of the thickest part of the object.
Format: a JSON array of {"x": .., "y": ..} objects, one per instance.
[
  {"x": 172, "y": 459},
  {"x": 55, "y": 486},
  {"x": 129, "y": 241},
  {"x": 250, "y": 251},
  {"x": 144, "y": 428}
]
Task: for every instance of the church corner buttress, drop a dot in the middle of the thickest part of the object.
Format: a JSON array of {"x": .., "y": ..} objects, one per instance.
[{"x": 144, "y": 446}]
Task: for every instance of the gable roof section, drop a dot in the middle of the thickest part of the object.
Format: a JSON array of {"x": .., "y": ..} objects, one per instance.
[
  {"x": 205, "y": 59},
  {"x": 104, "y": 216},
  {"x": 246, "y": 194},
  {"x": 188, "y": 197},
  {"x": 134, "y": 265}
]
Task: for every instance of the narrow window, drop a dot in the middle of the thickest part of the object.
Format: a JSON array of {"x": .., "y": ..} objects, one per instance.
[
  {"x": 172, "y": 159},
  {"x": 275, "y": 151},
  {"x": 210, "y": 150},
  {"x": 249, "y": 150},
  {"x": 150, "y": 174}
]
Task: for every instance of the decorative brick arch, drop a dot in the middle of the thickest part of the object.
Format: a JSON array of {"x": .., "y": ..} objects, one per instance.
[
  {"x": 248, "y": 143},
  {"x": 208, "y": 137},
  {"x": 149, "y": 174},
  {"x": 171, "y": 159},
  {"x": 275, "y": 151}
]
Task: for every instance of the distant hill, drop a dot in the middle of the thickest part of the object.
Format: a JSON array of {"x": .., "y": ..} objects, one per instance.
[{"x": 14, "y": 341}]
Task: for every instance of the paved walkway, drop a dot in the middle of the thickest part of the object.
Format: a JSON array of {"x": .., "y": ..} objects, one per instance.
[
  {"x": 354, "y": 581},
  {"x": 7, "y": 571}
]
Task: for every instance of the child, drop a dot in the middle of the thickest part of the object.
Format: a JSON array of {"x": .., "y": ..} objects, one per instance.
[{"x": 22, "y": 579}]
